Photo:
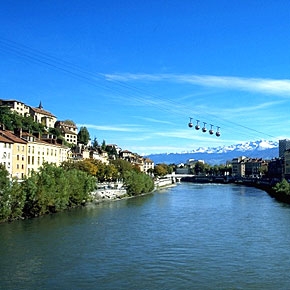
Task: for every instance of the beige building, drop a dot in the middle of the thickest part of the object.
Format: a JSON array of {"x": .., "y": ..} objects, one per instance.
[
  {"x": 238, "y": 166},
  {"x": 41, "y": 116},
  {"x": 147, "y": 164},
  {"x": 68, "y": 130},
  {"x": 19, "y": 154},
  {"x": 43, "y": 151}
]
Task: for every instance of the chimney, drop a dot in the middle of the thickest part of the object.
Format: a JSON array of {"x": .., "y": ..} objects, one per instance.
[{"x": 18, "y": 132}]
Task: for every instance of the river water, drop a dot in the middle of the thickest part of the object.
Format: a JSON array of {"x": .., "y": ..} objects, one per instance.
[{"x": 192, "y": 236}]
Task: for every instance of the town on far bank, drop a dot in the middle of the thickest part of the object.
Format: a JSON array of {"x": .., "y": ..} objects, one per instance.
[
  {"x": 49, "y": 140},
  {"x": 23, "y": 150}
]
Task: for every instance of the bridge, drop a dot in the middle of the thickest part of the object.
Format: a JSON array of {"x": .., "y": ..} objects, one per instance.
[{"x": 198, "y": 178}]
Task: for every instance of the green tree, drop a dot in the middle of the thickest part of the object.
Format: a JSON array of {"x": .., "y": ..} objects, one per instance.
[
  {"x": 69, "y": 122},
  {"x": 103, "y": 146},
  {"x": 95, "y": 143},
  {"x": 122, "y": 166},
  {"x": 161, "y": 169},
  {"x": 112, "y": 152},
  {"x": 81, "y": 184},
  {"x": 137, "y": 183},
  {"x": 11, "y": 197},
  {"x": 282, "y": 187},
  {"x": 83, "y": 136},
  {"x": 55, "y": 131},
  {"x": 199, "y": 168}
]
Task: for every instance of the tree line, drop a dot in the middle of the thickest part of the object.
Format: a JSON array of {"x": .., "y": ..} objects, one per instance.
[
  {"x": 50, "y": 190},
  {"x": 53, "y": 189}
]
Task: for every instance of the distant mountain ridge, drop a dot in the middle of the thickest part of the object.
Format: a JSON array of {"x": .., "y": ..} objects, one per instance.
[{"x": 220, "y": 155}]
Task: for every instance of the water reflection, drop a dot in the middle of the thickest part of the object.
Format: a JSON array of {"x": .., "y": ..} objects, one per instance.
[{"x": 188, "y": 237}]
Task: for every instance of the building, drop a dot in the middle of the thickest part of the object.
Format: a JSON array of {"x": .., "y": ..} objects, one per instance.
[
  {"x": 128, "y": 156},
  {"x": 68, "y": 130},
  {"x": 275, "y": 168},
  {"x": 42, "y": 151},
  {"x": 6, "y": 153},
  {"x": 100, "y": 155},
  {"x": 283, "y": 146},
  {"x": 147, "y": 164},
  {"x": 238, "y": 166},
  {"x": 43, "y": 117},
  {"x": 19, "y": 153},
  {"x": 16, "y": 106},
  {"x": 286, "y": 173},
  {"x": 252, "y": 167}
]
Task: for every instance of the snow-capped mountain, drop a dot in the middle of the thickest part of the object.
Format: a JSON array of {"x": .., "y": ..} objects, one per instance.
[{"x": 219, "y": 155}]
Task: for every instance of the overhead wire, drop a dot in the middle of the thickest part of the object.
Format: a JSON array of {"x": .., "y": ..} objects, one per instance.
[{"x": 102, "y": 81}]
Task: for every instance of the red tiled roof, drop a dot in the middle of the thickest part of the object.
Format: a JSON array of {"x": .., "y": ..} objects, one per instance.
[
  {"x": 5, "y": 140},
  {"x": 12, "y": 137}
]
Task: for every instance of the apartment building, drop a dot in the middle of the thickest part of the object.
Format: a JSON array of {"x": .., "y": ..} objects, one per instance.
[
  {"x": 287, "y": 164},
  {"x": 238, "y": 166},
  {"x": 16, "y": 106},
  {"x": 283, "y": 146},
  {"x": 252, "y": 167},
  {"x": 147, "y": 164},
  {"x": 247, "y": 167},
  {"x": 41, "y": 151},
  {"x": 6, "y": 153},
  {"x": 19, "y": 154},
  {"x": 69, "y": 130}
]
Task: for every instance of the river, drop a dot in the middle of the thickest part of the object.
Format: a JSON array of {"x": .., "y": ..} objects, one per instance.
[{"x": 192, "y": 236}]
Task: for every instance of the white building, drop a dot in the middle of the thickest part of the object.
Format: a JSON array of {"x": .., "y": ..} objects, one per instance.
[{"x": 6, "y": 153}]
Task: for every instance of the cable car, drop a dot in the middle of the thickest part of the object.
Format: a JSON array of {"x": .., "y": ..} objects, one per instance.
[
  {"x": 197, "y": 127},
  {"x": 211, "y": 130},
  {"x": 204, "y": 128},
  {"x": 217, "y": 133},
  {"x": 190, "y": 125}
]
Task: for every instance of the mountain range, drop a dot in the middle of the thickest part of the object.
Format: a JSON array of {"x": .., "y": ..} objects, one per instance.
[{"x": 220, "y": 155}]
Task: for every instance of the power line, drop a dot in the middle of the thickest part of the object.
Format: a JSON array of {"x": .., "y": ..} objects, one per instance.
[{"x": 100, "y": 81}]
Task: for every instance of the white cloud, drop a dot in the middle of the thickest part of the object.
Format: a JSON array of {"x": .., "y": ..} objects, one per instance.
[
  {"x": 260, "y": 85},
  {"x": 109, "y": 128},
  {"x": 156, "y": 120}
]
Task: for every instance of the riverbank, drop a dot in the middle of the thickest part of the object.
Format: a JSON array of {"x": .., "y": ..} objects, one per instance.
[
  {"x": 264, "y": 184},
  {"x": 115, "y": 190}
]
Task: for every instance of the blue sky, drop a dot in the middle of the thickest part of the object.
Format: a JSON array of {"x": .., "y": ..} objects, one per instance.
[{"x": 133, "y": 72}]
